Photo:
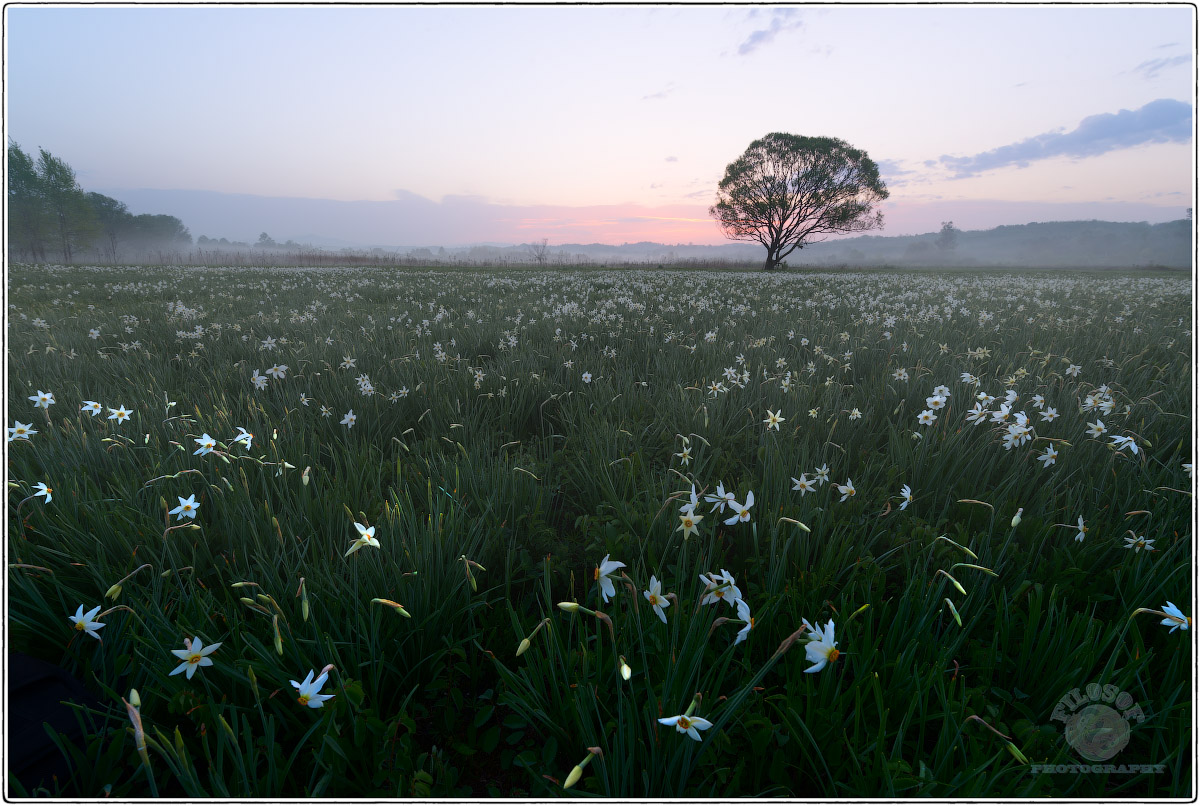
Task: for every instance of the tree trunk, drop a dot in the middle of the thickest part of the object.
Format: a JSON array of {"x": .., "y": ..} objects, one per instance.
[{"x": 769, "y": 265}]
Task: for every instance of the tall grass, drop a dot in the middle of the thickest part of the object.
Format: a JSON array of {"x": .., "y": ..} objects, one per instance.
[{"x": 500, "y": 478}]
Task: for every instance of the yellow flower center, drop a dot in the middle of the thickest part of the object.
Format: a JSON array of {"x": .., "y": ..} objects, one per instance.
[
  {"x": 302, "y": 699},
  {"x": 194, "y": 658},
  {"x": 833, "y": 655},
  {"x": 79, "y": 626}
]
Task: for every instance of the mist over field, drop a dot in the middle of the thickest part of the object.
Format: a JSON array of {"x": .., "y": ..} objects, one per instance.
[{"x": 1103, "y": 235}]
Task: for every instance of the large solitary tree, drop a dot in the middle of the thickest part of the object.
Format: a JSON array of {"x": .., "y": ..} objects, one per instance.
[{"x": 787, "y": 191}]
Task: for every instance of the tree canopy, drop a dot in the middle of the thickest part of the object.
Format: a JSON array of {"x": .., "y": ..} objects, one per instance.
[
  {"x": 49, "y": 214},
  {"x": 786, "y": 191}
]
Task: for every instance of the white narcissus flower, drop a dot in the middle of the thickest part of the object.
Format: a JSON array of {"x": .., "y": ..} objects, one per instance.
[
  {"x": 743, "y": 611},
  {"x": 41, "y": 489},
  {"x": 1138, "y": 543},
  {"x": 926, "y": 417},
  {"x": 692, "y": 502},
  {"x": 120, "y": 414},
  {"x": 1048, "y": 457},
  {"x": 1122, "y": 442},
  {"x": 802, "y": 484},
  {"x": 206, "y": 444},
  {"x": 847, "y": 490},
  {"x": 350, "y": 419},
  {"x": 691, "y": 725},
  {"x": 719, "y": 587},
  {"x": 906, "y": 494},
  {"x": 1175, "y": 618},
  {"x": 186, "y": 509},
  {"x": 20, "y": 430},
  {"x": 84, "y": 623},
  {"x": 978, "y": 414},
  {"x": 587, "y": 377},
  {"x": 366, "y": 537},
  {"x": 774, "y": 419},
  {"x": 655, "y": 598},
  {"x": 194, "y": 656},
  {"x": 244, "y": 437},
  {"x": 720, "y": 498},
  {"x": 1082, "y": 530},
  {"x": 43, "y": 400},
  {"x": 91, "y": 407},
  {"x": 1097, "y": 428},
  {"x": 606, "y": 567},
  {"x": 310, "y": 690},
  {"x": 688, "y": 522},
  {"x": 741, "y": 512},
  {"x": 823, "y": 650}
]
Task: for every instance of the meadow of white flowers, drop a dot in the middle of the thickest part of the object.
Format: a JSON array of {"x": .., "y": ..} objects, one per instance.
[{"x": 370, "y": 533}]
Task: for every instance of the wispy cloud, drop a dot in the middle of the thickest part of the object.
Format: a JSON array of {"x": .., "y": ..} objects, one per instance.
[
  {"x": 892, "y": 170},
  {"x": 660, "y": 95},
  {"x": 1161, "y": 121},
  {"x": 782, "y": 19},
  {"x": 1151, "y": 68},
  {"x": 672, "y": 159}
]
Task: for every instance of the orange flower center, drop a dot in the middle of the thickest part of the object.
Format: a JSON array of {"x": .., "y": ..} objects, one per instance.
[{"x": 302, "y": 699}]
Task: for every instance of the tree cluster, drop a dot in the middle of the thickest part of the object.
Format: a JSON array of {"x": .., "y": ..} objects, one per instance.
[{"x": 52, "y": 218}]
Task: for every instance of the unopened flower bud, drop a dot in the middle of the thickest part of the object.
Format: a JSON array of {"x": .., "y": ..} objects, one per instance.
[
  {"x": 573, "y": 778},
  {"x": 1017, "y": 754}
]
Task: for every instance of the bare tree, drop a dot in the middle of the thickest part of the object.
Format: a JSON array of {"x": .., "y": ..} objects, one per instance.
[{"x": 540, "y": 252}]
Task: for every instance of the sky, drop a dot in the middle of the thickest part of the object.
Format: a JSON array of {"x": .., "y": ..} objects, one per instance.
[{"x": 605, "y": 124}]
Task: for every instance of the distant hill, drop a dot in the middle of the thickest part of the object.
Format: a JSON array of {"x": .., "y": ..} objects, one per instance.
[{"x": 1067, "y": 244}]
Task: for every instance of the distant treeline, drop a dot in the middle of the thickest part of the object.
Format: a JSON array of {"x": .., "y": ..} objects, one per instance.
[
  {"x": 1067, "y": 244},
  {"x": 52, "y": 218}
]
